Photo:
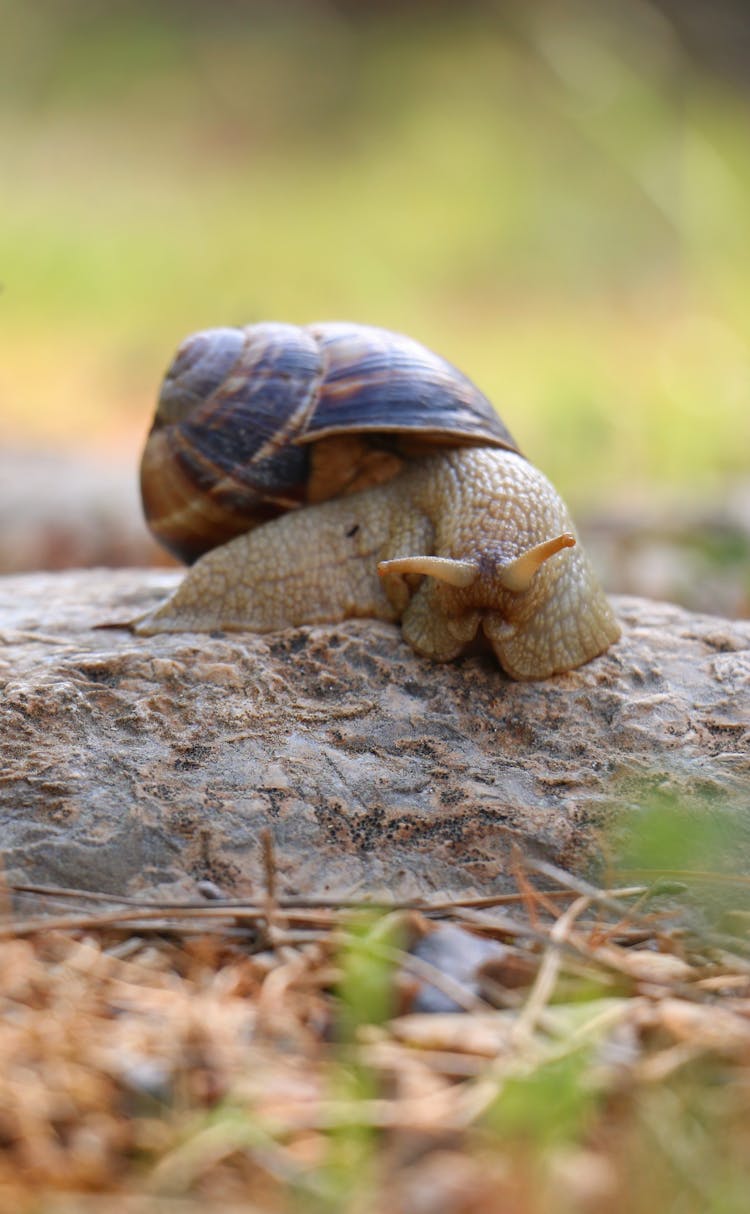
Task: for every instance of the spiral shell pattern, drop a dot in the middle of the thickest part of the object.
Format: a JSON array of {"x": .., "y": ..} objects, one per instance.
[{"x": 240, "y": 407}]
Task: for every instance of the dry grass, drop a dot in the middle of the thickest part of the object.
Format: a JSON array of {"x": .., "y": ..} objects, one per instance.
[{"x": 266, "y": 1057}]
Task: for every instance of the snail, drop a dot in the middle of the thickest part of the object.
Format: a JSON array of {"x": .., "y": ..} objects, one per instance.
[{"x": 337, "y": 470}]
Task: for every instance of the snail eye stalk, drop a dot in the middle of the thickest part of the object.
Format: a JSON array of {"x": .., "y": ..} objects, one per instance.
[{"x": 518, "y": 574}]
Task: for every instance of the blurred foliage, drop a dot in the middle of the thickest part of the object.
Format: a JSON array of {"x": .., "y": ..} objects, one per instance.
[
  {"x": 693, "y": 852},
  {"x": 551, "y": 1105},
  {"x": 554, "y": 196},
  {"x": 668, "y": 834},
  {"x": 366, "y": 995},
  {"x": 367, "y": 973}
]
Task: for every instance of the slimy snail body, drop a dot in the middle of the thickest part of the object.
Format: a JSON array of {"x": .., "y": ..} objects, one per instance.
[{"x": 315, "y": 474}]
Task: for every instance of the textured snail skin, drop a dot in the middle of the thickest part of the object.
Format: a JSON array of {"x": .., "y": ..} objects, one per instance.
[{"x": 480, "y": 505}]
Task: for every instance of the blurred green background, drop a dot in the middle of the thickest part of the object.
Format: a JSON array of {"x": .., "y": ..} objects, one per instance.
[{"x": 554, "y": 195}]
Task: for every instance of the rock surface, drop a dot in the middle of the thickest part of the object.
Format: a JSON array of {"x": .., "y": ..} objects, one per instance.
[{"x": 131, "y": 763}]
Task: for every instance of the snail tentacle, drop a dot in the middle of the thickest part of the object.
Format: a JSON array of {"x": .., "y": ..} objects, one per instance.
[
  {"x": 443, "y": 568},
  {"x": 517, "y": 574}
]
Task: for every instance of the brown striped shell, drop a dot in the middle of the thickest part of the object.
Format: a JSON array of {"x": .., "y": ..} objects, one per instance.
[{"x": 255, "y": 421}]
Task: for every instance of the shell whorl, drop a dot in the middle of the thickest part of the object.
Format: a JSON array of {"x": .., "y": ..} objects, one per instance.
[{"x": 240, "y": 408}]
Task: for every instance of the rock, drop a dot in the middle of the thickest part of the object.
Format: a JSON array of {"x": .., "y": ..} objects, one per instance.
[
  {"x": 64, "y": 509},
  {"x": 133, "y": 763}
]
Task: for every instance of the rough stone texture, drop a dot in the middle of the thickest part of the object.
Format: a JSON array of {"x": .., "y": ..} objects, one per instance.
[{"x": 131, "y": 763}]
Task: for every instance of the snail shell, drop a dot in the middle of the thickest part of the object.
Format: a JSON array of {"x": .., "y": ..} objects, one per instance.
[{"x": 255, "y": 421}]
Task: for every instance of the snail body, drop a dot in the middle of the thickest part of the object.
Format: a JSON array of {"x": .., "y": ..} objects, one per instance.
[{"x": 401, "y": 496}]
